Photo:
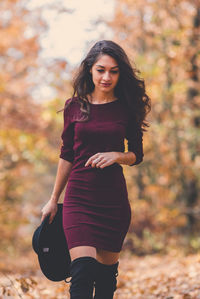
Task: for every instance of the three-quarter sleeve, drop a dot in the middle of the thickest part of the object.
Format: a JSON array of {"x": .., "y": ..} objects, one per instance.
[
  {"x": 66, "y": 150},
  {"x": 134, "y": 136}
]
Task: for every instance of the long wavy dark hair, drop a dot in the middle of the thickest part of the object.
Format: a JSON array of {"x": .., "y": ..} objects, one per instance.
[{"x": 130, "y": 88}]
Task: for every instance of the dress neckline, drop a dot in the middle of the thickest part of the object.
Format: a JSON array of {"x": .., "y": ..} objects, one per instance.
[{"x": 92, "y": 104}]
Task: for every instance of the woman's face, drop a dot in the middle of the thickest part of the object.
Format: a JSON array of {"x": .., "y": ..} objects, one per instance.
[{"x": 105, "y": 73}]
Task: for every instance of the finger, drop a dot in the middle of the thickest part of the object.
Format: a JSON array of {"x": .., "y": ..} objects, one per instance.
[
  {"x": 101, "y": 163},
  {"x": 51, "y": 218},
  {"x": 87, "y": 163},
  {"x": 43, "y": 217},
  {"x": 106, "y": 164},
  {"x": 91, "y": 159},
  {"x": 98, "y": 159},
  {"x": 94, "y": 163}
]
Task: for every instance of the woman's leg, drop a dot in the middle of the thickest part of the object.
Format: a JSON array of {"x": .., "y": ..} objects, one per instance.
[
  {"x": 107, "y": 257},
  {"x": 106, "y": 273},
  {"x": 82, "y": 272}
]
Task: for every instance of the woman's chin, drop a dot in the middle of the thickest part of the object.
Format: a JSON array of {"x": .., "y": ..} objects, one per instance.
[{"x": 105, "y": 88}]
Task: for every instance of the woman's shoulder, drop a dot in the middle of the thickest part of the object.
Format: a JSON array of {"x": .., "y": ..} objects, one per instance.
[{"x": 72, "y": 103}]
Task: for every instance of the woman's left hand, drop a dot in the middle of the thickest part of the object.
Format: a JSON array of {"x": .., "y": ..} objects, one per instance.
[{"x": 101, "y": 160}]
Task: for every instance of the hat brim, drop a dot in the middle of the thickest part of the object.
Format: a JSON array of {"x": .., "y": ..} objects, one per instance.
[
  {"x": 36, "y": 235},
  {"x": 55, "y": 268}
]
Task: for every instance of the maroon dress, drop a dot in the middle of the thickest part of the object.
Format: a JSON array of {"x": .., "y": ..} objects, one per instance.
[{"x": 96, "y": 209}]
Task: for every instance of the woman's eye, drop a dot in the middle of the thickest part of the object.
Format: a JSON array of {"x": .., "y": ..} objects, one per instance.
[{"x": 113, "y": 72}]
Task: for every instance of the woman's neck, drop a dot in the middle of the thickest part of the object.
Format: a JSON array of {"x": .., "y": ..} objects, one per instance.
[{"x": 102, "y": 97}]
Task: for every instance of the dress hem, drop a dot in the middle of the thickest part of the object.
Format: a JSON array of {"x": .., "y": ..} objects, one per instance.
[{"x": 93, "y": 244}]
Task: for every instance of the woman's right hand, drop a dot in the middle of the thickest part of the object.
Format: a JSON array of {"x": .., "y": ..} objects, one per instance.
[{"x": 49, "y": 209}]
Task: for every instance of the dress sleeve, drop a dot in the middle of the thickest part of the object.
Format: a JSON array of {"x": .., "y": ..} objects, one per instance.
[
  {"x": 134, "y": 136},
  {"x": 66, "y": 151}
]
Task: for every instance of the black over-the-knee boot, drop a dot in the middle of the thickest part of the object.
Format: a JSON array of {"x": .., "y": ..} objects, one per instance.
[
  {"x": 82, "y": 272},
  {"x": 105, "y": 280}
]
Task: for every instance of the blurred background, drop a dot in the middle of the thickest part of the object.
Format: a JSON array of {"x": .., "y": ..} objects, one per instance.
[{"x": 41, "y": 45}]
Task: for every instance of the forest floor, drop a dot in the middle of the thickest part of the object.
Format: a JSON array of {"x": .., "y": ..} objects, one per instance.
[{"x": 152, "y": 276}]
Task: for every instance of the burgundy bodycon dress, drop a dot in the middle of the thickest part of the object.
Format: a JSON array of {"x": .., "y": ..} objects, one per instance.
[{"x": 96, "y": 209}]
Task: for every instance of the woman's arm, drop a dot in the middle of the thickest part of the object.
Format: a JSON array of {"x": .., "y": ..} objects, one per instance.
[
  {"x": 63, "y": 172},
  {"x": 64, "y": 167},
  {"x": 66, "y": 155},
  {"x": 134, "y": 135},
  {"x": 127, "y": 158}
]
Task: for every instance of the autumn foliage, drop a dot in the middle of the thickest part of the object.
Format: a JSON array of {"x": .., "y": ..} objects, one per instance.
[{"x": 162, "y": 40}]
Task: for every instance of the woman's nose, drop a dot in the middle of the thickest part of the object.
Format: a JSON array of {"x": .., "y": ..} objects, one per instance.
[{"x": 106, "y": 76}]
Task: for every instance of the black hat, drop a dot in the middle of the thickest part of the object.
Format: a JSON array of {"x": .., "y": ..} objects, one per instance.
[{"x": 49, "y": 242}]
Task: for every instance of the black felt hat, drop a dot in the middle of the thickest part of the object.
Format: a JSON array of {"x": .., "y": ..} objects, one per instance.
[{"x": 49, "y": 242}]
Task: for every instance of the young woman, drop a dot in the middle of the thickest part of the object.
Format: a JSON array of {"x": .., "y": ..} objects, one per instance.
[{"x": 109, "y": 103}]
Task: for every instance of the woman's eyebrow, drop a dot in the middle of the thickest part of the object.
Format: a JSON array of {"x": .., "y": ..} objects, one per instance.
[{"x": 104, "y": 67}]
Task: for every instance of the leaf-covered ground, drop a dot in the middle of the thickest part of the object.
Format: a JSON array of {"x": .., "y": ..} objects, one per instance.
[{"x": 148, "y": 277}]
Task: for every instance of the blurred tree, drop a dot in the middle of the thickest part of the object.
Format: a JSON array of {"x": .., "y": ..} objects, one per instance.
[
  {"x": 20, "y": 116},
  {"x": 30, "y": 129},
  {"x": 193, "y": 98}
]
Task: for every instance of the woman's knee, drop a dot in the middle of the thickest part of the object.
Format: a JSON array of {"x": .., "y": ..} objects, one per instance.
[
  {"x": 107, "y": 257},
  {"x": 80, "y": 251}
]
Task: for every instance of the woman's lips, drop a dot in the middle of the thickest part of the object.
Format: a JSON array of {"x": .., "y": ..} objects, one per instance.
[{"x": 106, "y": 84}]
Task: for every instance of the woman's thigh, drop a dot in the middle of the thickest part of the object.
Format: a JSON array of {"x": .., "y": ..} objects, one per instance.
[
  {"x": 80, "y": 251},
  {"x": 103, "y": 256}
]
